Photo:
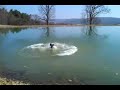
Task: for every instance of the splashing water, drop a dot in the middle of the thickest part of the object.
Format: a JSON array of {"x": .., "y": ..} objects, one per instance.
[{"x": 59, "y": 49}]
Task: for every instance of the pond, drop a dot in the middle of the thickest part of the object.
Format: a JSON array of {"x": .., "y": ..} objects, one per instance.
[{"x": 95, "y": 61}]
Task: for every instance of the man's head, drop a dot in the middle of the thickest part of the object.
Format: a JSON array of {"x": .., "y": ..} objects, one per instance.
[{"x": 51, "y": 45}]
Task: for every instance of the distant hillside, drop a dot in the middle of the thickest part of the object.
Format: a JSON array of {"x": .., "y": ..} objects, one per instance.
[{"x": 104, "y": 20}]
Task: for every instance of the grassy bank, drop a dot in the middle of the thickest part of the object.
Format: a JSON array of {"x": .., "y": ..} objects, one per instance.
[
  {"x": 11, "y": 77},
  {"x": 23, "y": 26},
  {"x": 8, "y": 77},
  {"x": 5, "y": 81}
]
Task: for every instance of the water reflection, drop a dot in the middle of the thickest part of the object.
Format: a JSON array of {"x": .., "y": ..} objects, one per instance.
[
  {"x": 4, "y": 31},
  {"x": 92, "y": 34},
  {"x": 90, "y": 30},
  {"x": 48, "y": 31}
]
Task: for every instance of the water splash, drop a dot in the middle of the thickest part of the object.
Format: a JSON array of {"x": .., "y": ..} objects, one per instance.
[{"x": 41, "y": 49}]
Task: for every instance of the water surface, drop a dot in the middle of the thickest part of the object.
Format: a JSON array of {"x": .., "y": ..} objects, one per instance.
[{"x": 97, "y": 60}]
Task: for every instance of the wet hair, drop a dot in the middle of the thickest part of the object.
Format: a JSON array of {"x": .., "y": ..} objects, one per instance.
[{"x": 51, "y": 45}]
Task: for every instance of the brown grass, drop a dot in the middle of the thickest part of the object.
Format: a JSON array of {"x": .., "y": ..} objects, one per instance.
[
  {"x": 22, "y": 26},
  {"x": 5, "y": 81}
]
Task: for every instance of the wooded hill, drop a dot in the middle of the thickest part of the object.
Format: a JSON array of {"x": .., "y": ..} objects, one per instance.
[{"x": 15, "y": 17}]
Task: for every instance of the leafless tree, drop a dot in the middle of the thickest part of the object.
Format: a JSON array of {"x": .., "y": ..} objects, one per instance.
[
  {"x": 36, "y": 19},
  {"x": 47, "y": 13},
  {"x": 91, "y": 13}
]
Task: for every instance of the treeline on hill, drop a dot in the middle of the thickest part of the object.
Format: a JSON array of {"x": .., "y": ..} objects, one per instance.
[{"x": 15, "y": 17}]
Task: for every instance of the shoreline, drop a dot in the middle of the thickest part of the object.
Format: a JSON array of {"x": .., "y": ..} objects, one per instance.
[
  {"x": 17, "y": 78},
  {"x": 5, "y": 81},
  {"x": 8, "y": 81},
  {"x": 25, "y": 26}
]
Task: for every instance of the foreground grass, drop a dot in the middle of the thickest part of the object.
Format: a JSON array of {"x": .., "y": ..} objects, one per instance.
[
  {"x": 8, "y": 77},
  {"x": 5, "y": 81}
]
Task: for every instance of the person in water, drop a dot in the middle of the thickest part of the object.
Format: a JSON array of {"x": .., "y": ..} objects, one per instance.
[{"x": 52, "y": 46}]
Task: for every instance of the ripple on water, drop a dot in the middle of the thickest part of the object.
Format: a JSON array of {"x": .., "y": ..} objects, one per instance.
[{"x": 41, "y": 49}]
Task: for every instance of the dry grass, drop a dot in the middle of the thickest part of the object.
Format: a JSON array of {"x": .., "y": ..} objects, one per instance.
[
  {"x": 5, "y": 81},
  {"x": 22, "y": 26}
]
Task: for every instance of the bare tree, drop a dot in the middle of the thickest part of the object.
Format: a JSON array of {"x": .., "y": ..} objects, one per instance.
[
  {"x": 90, "y": 16},
  {"x": 91, "y": 13},
  {"x": 36, "y": 19},
  {"x": 46, "y": 13}
]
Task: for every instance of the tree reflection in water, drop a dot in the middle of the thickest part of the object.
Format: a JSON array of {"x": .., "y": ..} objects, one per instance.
[
  {"x": 4, "y": 31},
  {"x": 48, "y": 31}
]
